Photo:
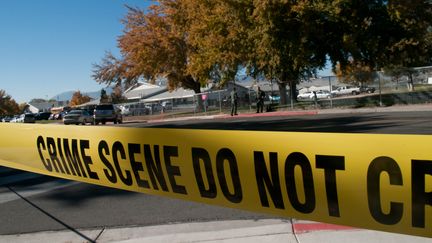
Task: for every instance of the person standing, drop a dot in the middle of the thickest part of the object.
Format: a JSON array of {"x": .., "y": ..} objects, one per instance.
[
  {"x": 234, "y": 102},
  {"x": 260, "y": 100},
  {"x": 315, "y": 97}
]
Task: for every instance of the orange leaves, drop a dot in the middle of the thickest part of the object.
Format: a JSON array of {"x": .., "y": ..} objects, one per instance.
[
  {"x": 78, "y": 99},
  {"x": 8, "y": 106}
]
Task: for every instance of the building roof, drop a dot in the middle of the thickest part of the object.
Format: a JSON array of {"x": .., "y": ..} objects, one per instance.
[
  {"x": 175, "y": 94},
  {"x": 47, "y": 105},
  {"x": 319, "y": 82},
  {"x": 90, "y": 103},
  {"x": 143, "y": 90}
]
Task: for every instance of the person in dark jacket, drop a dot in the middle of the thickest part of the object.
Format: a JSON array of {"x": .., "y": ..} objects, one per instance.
[
  {"x": 234, "y": 102},
  {"x": 260, "y": 100}
]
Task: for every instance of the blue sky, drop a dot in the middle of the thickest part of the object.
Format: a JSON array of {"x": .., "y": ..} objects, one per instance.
[{"x": 48, "y": 46}]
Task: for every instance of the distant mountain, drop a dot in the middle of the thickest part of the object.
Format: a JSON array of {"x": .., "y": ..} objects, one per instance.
[{"x": 68, "y": 94}]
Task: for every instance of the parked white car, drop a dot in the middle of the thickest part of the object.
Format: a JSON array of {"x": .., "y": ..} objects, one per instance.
[
  {"x": 305, "y": 95},
  {"x": 321, "y": 94},
  {"x": 346, "y": 90},
  {"x": 14, "y": 119},
  {"x": 167, "y": 105}
]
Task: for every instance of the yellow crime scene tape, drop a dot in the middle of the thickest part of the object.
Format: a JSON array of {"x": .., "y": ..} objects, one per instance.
[{"x": 373, "y": 181}]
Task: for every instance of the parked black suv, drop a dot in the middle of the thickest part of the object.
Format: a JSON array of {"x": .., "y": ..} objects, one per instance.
[
  {"x": 367, "y": 89},
  {"x": 106, "y": 113},
  {"x": 42, "y": 116}
]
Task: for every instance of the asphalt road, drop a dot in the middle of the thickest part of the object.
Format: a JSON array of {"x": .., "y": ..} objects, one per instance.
[
  {"x": 84, "y": 206},
  {"x": 53, "y": 204}
]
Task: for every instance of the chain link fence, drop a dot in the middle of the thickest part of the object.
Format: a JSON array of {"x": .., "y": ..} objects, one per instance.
[
  {"x": 409, "y": 86},
  {"x": 413, "y": 86}
]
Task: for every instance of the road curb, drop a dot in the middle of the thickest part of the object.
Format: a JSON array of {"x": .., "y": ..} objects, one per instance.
[{"x": 301, "y": 228}]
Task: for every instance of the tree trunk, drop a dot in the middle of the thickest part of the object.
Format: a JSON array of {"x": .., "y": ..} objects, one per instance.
[
  {"x": 188, "y": 82},
  {"x": 293, "y": 90},
  {"x": 411, "y": 82},
  {"x": 197, "y": 89},
  {"x": 282, "y": 93}
]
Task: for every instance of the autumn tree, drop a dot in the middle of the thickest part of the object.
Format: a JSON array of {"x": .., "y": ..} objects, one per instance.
[
  {"x": 78, "y": 99},
  {"x": 376, "y": 35},
  {"x": 113, "y": 70},
  {"x": 24, "y": 107},
  {"x": 190, "y": 42},
  {"x": 8, "y": 106},
  {"x": 356, "y": 73},
  {"x": 415, "y": 47},
  {"x": 289, "y": 41},
  {"x": 267, "y": 38},
  {"x": 153, "y": 46},
  {"x": 414, "y": 21},
  {"x": 219, "y": 32}
]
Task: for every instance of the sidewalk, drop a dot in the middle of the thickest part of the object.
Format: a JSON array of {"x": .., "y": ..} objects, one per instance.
[{"x": 269, "y": 230}]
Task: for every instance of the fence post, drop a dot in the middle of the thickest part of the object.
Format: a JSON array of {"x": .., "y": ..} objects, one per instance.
[{"x": 220, "y": 102}]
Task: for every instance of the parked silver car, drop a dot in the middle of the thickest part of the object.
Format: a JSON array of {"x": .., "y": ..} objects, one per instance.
[
  {"x": 78, "y": 117},
  {"x": 107, "y": 113}
]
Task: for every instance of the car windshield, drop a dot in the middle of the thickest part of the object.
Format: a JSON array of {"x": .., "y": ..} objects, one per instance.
[{"x": 75, "y": 112}]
